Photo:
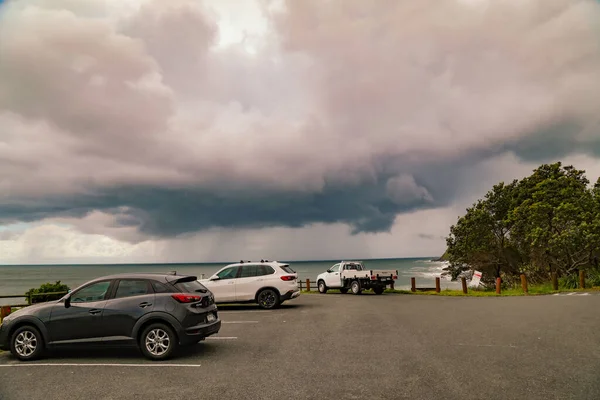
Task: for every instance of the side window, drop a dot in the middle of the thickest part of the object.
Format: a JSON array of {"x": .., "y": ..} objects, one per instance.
[
  {"x": 335, "y": 268},
  {"x": 159, "y": 287},
  {"x": 131, "y": 287},
  {"x": 249, "y": 271},
  {"x": 265, "y": 270},
  {"x": 228, "y": 273},
  {"x": 94, "y": 292}
]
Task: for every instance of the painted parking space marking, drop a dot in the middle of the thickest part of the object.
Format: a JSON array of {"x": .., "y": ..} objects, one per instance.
[
  {"x": 239, "y": 322},
  {"x": 221, "y": 311},
  {"x": 221, "y": 338},
  {"x": 99, "y": 365},
  {"x": 571, "y": 294}
]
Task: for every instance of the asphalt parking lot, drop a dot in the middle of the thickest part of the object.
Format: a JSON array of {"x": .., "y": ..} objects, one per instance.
[{"x": 349, "y": 347}]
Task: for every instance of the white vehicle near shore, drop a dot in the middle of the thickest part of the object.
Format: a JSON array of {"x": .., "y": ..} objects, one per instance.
[
  {"x": 268, "y": 283},
  {"x": 354, "y": 276}
]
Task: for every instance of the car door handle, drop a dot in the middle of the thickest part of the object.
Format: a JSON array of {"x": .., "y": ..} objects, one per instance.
[
  {"x": 94, "y": 311},
  {"x": 337, "y": 273},
  {"x": 145, "y": 304},
  {"x": 231, "y": 283}
]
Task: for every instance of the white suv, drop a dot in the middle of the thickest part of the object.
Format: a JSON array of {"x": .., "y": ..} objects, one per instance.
[{"x": 268, "y": 283}]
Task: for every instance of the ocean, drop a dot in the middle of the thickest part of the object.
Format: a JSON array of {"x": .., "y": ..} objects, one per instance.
[{"x": 17, "y": 279}]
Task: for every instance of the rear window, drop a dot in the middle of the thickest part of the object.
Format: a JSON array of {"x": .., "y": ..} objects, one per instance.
[
  {"x": 190, "y": 287},
  {"x": 287, "y": 269}
]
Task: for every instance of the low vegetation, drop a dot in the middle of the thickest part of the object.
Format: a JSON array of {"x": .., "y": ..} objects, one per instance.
[
  {"x": 548, "y": 222},
  {"x": 47, "y": 292}
]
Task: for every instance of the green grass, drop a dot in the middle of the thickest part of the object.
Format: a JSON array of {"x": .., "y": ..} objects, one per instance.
[{"x": 533, "y": 290}]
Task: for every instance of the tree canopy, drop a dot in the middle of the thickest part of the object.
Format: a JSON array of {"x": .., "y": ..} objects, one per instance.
[{"x": 546, "y": 222}]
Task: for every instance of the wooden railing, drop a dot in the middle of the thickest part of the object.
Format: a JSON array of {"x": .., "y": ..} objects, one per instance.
[{"x": 28, "y": 297}]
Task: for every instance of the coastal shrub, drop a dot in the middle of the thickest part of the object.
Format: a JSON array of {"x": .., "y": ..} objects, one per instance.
[{"x": 38, "y": 296}]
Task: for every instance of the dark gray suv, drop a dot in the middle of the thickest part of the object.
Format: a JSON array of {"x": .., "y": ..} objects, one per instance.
[{"x": 158, "y": 312}]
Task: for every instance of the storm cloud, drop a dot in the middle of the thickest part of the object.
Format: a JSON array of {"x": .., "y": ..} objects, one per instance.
[{"x": 348, "y": 112}]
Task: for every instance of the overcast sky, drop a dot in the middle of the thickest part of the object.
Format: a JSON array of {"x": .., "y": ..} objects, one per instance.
[{"x": 189, "y": 130}]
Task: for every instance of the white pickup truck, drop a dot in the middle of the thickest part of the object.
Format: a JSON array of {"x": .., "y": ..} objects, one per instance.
[{"x": 352, "y": 275}]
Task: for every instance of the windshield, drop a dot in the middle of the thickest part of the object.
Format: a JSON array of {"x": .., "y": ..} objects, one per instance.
[
  {"x": 190, "y": 287},
  {"x": 287, "y": 269}
]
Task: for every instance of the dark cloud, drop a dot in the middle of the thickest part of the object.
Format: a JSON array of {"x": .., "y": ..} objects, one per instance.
[{"x": 159, "y": 211}]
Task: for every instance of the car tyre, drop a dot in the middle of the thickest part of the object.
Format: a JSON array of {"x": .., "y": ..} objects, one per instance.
[
  {"x": 268, "y": 299},
  {"x": 27, "y": 343},
  {"x": 355, "y": 287},
  {"x": 322, "y": 287},
  {"x": 158, "y": 342}
]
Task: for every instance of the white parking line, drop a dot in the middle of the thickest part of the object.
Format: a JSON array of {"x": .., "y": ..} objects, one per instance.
[
  {"x": 221, "y": 338},
  {"x": 97, "y": 365},
  {"x": 244, "y": 312},
  {"x": 239, "y": 322}
]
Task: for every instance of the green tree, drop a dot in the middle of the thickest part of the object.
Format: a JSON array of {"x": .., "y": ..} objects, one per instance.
[
  {"x": 481, "y": 238},
  {"x": 554, "y": 220},
  {"x": 546, "y": 222}
]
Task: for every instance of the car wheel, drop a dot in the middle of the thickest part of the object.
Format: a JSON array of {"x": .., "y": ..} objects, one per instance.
[
  {"x": 268, "y": 299},
  {"x": 26, "y": 343},
  {"x": 322, "y": 287},
  {"x": 344, "y": 290},
  {"x": 355, "y": 287},
  {"x": 158, "y": 342}
]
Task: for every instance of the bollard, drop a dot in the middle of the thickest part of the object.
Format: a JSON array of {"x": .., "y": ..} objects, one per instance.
[
  {"x": 308, "y": 285},
  {"x": 392, "y": 285},
  {"x": 524, "y": 283},
  {"x": 463, "y": 280},
  {"x": 498, "y": 282},
  {"x": 582, "y": 279},
  {"x": 413, "y": 285},
  {"x": 554, "y": 281},
  {"x": 437, "y": 284}
]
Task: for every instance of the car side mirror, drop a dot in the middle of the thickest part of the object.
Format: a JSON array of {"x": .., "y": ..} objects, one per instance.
[
  {"x": 214, "y": 278},
  {"x": 328, "y": 271}
]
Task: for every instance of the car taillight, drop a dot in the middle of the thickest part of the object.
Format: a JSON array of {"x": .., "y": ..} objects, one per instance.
[
  {"x": 288, "y": 277},
  {"x": 395, "y": 277},
  {"x": 373, "y": 277},
  {"x": 186, "y": 298}
]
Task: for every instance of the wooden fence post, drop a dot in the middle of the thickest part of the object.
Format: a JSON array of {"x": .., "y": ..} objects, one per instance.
[
  {"x": 463, "y": 280},
  {"x": 29, "y": 298},
  {"x": 437, "y": 284},
  {"x": 4, "y": 311},
  {"x": 413, "y": 285},
  {"x": 392, "y": 285},
  {"x": 524, "y": 283},
  {"x": 308, "y": 285},
  {"x": 498, "y": 282},
  {"x": 554, "y": 281},
  {"x": 582, "y": 279}
]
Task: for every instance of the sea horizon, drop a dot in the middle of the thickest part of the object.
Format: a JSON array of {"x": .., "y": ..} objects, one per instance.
[{"x": 216, "y": 262}]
